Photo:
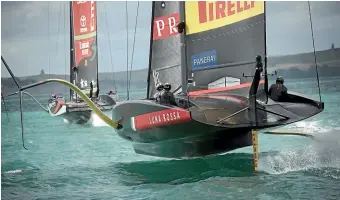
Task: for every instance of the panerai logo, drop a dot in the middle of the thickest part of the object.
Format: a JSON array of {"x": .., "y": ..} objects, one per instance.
[{"x": 204, "y": 59}]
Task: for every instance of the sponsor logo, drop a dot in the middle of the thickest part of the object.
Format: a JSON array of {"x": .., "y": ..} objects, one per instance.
[
  {"x": 84, "y": 15},
  {"x": 202, "y": 15},
  {"x": 83, "y": 83},
  {"x": 165, "y": 26},
  {"x": 53, "y": 104},
  {"x": 165, "y": 117},
  {"x": 83, "y": 21},
  {"x": 155, "y": 75},
  {"x": 160, "y": 118},
  {"x": 84, "y": 47},
  {"x": 204, "y": 59}
]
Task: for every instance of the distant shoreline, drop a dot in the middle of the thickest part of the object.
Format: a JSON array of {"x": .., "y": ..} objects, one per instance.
[{"x": 289, "y": 66}]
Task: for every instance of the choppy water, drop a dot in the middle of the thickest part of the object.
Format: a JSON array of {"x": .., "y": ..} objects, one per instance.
[{"x": 66, "y": 161}]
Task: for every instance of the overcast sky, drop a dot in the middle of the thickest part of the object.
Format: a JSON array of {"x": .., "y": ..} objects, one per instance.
[{"x": 31, "y": 31}]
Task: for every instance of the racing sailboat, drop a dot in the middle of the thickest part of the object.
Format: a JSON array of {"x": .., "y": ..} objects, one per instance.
[
  {"x": 84, "y": 67},
  {"x": 211, "y": 53}
]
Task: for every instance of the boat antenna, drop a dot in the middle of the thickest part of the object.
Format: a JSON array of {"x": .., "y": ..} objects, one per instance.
[
  {"x": 315, "y": 61},
  {"x": 133, "y": 46},
  {"x": 3, "y": 100},
  {"x": 20, "y": 96}
]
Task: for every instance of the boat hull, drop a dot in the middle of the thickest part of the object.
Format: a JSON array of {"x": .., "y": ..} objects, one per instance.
[
  {"x": 78, "y": 113},
  {"x": 212, "y": 124},
  {"x": 168, "y": 131}
]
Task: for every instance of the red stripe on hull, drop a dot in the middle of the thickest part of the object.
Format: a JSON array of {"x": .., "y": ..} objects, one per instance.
[
  {"x": 220, "y": 89},
  {"x": 59, "y": 104},
  {"x": 227, "y": 97},
  {"x": 160, "y": 118}
]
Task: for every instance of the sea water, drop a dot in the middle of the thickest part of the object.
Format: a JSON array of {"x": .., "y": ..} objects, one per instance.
[{"x": 67, "y": 161}]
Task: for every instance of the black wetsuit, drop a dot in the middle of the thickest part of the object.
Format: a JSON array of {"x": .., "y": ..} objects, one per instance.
[
  {"x": 91, "y": 89},
  {"x": 157, "y": 96},
  {"x": 278, "y": 92},
  {"x": 167, "y": 97}
]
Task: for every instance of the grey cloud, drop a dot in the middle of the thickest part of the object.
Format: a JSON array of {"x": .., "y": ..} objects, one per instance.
[
  {"x": 288, "y": 26},
  {"x": 25, "y": 42},
  {"x": 24, "y": 19},
  {"x": 33, "y": 43}
]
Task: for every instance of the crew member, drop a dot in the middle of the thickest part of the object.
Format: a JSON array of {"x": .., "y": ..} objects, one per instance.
[
  {"x": 159, "y": 89},
  {"x": 110, "y": 92},
  {"x": 166, "y": 96},
  {"x": 97, "y": 92},
  {"x": 91, "y": 89},
  {"x": 277, "y": 91}
]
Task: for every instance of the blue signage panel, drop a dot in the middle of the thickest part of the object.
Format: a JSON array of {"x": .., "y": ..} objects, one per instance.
[{"x": 204, "y": 60}]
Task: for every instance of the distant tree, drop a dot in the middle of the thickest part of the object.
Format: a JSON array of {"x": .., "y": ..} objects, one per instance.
[
  {"x": 42, "y": 72},
  {"x": 332, "y": 46}
]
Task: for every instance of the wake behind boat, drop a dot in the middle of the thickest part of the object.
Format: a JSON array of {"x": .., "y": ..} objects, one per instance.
[{"x": 84, "y": 67}]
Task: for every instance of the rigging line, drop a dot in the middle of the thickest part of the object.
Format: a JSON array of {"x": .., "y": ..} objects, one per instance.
[
  {"x": 108, "y": 34},
  {"x": 22, "y": 120},
  {"x": 65, "y": 7},
  {"x": 28, "y": 94},
  {"x": 127, "y": 51},
  {"x": 58, "y": 28},
  {"x": 3, "y": 100},
  {"x": 315, "y": 61},
  {"x": 31, "y": 96},
  {"x": 133, "y": 45},
  {"x": 48, "y": 36}
]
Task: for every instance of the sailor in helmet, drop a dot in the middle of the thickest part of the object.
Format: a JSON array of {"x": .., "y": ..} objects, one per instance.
[
  {"x": 159, "y": 88},
  {"x": 166, "y": 96},
  {"x": 110, "y": 93},
  {"x": 277, "y": 91}
]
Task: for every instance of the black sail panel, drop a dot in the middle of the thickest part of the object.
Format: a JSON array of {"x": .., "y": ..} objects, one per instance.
[
  {"x": 223, "y": 39},
  {"x": 165, "y": 46},
  {"x": 85, "y": 46}
]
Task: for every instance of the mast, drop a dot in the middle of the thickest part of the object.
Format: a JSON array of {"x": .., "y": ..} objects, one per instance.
[
  {"x": 97, "y": 92},
  {"x": 265, "y": 53},
  {"x": 71, "y": 49},
  {"x": 150, "y": 49},
  {"x": 184, "y": 77}
]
